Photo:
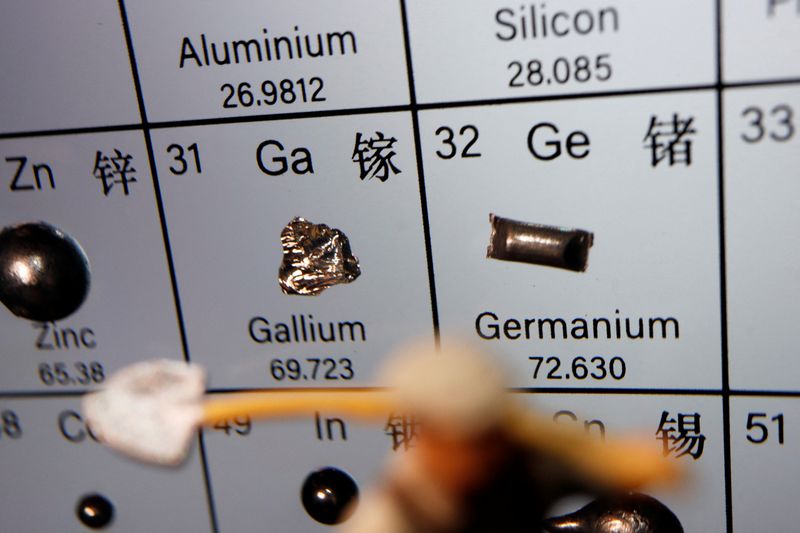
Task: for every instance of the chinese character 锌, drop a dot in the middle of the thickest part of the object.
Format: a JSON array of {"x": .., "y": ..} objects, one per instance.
[
  {"x": 114, "y": 169},
  {"x": 374, "y": 156},
  {"x": 682, "y": 436},
  {"x": 402, "y": 429},
  {"x": 670, "y": 140}
]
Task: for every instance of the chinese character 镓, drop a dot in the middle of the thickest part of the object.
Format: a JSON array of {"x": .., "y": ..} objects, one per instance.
[{"x": 374, "y": 156}]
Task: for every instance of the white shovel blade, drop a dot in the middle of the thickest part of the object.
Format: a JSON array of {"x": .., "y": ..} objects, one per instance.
[{"x": 149, "y": 410}]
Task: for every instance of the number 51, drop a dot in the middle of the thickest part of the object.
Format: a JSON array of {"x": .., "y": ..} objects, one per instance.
[{"x": 758, "y": 432}]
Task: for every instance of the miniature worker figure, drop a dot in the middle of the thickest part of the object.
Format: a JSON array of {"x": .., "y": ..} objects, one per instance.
[
  {"x": 482, "y": 463},
  {"x": 470, "y": 471}
]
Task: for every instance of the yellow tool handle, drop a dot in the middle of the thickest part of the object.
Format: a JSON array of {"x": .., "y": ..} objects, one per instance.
[{"x": 284, "y": 404}]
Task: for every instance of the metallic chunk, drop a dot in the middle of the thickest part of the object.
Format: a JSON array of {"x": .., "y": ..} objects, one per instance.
[
  {"x": 315, "y": 257},
  {"x": 628, "y": 513},
  {"x": 512, "y": 240}
]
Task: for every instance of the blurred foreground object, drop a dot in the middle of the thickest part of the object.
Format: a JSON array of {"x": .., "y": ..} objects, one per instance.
[
  {"x": 482, "y": 460},
  {"x": 151, "y": 410}
]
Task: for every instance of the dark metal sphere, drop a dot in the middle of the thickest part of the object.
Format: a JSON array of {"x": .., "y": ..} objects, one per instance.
[
  {"x": 44, "y": 273},
  {"x": 329, "y": 495},
  {"x": 95, "y": 511}
]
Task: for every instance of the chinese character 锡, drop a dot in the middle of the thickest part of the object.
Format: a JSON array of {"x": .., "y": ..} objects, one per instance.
[
  {"x": 114, "y": 169},
  {"x": 374, "y": 156},
  {"x": 402, "y": 429},
  {"x": 670, "y": 140},
  {"x": 682, "y": 436}
]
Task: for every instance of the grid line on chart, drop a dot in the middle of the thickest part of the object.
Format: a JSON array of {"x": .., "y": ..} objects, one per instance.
[
  {"x": 538, "y": 390},
  {"x": 725, "y": 377},
  {"x": 212, "y": 512},
  {"x": 401, "y": 108},
  {"x": 154, "y": 174},
  {"x": 414, "y": 109}
]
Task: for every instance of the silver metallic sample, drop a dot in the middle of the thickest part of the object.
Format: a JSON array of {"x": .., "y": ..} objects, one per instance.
[
  {"x": 44, "y": 273},
  {"x": 315, "y": 257},
  {"x": 524, "y": 242},
  {"x": 628, "y": 513}
]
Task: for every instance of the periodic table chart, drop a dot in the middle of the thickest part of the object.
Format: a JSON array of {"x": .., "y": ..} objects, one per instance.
[{"x": 175, "y": 140}]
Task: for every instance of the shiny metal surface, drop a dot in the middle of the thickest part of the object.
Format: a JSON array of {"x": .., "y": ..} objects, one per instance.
[
  {"x": 44, "y": 273},
  {"x": 630, "y": 513},
  {"x": 95, "y": 511},
  {"x": 523, "y": 242},
  {"x": 315, "y": 257}
]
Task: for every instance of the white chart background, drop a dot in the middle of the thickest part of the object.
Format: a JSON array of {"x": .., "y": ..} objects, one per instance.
[{"x": 182, "y": 264}]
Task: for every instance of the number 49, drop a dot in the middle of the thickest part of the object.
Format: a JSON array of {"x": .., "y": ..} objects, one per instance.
[{"x": 758, "y": 432}]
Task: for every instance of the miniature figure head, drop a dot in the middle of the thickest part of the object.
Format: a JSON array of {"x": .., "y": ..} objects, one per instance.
[
  {"x": 458, "y": 398},
  {"x": 456, "y": 390}
]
